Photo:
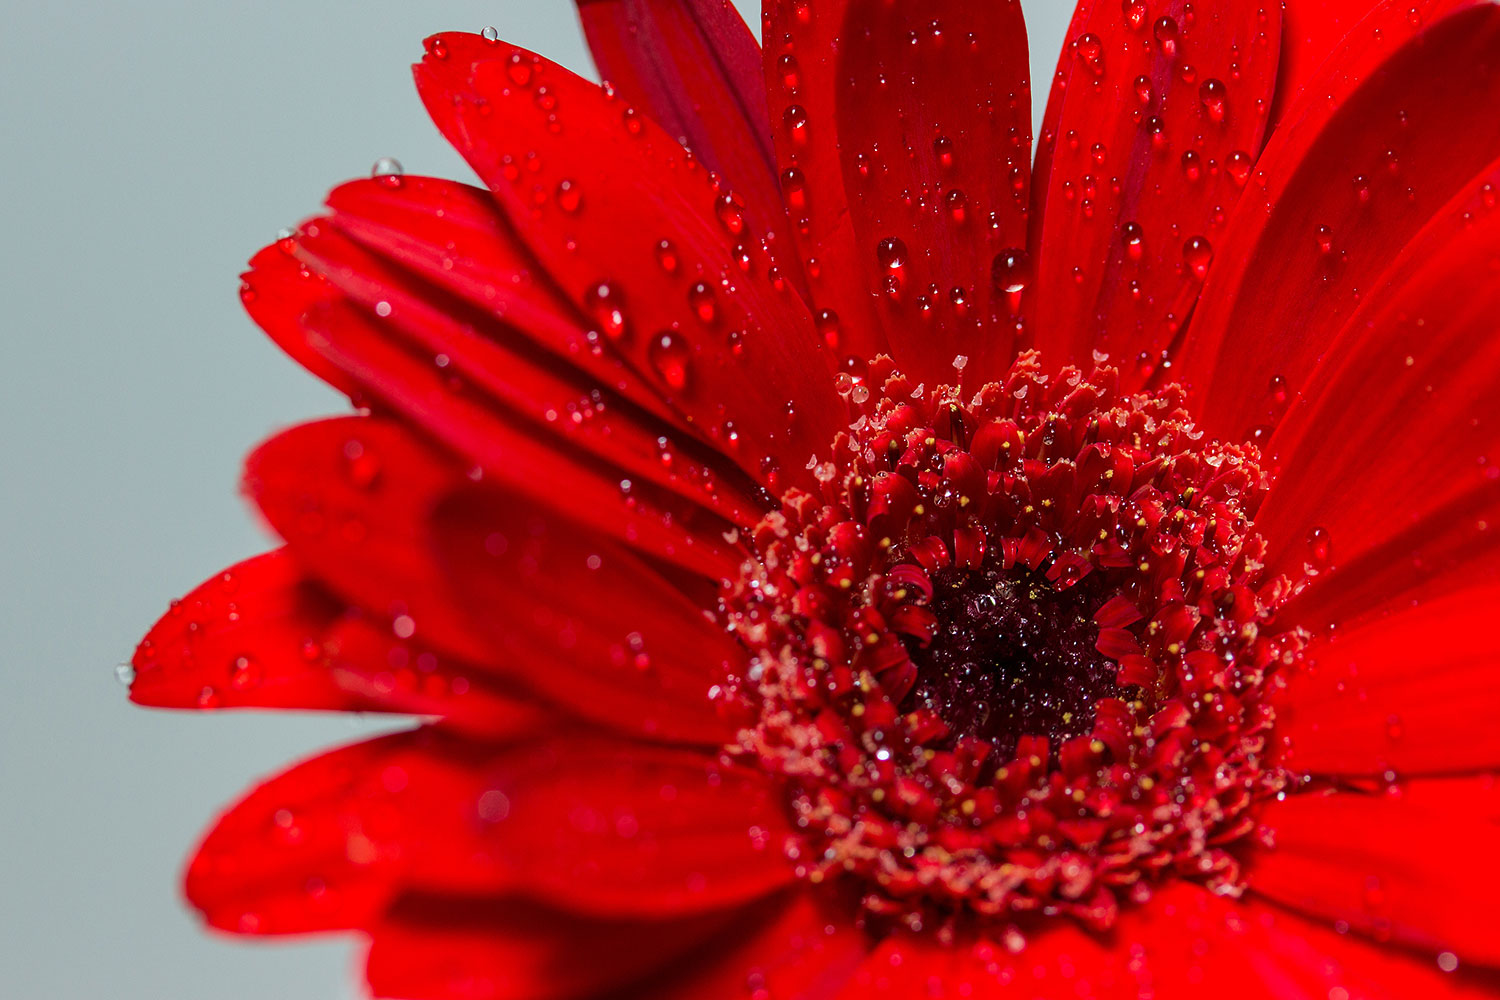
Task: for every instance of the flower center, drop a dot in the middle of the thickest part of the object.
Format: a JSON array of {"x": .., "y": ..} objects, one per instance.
[
  {"x": 1013, "y": 656},
  {"x": 1013, "y": 659}
]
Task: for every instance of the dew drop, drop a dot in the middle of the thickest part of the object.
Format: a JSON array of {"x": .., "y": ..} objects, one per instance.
[
  {"x": 790, "y": 71},
  {"x": 957, "y": 203},
  {"x": 245, "y": 673},
  {"x": 1319, "y": 548},
  {"x": 1143, "y": 90},
  {"x": 1238, "y": 164},
  {"x": 1011, "y": 271},
  {"x": 606, "y": 304},
  {"x": 1090, "y": 52},
  {"x": 1134, "y": 240},
  {"x": 827, "y": 322},
  {"x": 1165, "y": 31},
  {"x": 730, "y": 212},
  {"x": 701, "y": 298},
  {"x": 1215, "y": 98},
  {"x": 361, "y": 465},
  {"x": 125, "y": 674},
  {"x": 436, "y": 47},
  {"x": 794, "y": 188},
  {"x": 518, "y": 67},
  {"x": 1135, "y": 14},
  {"x": 490, "y": 33},
  {"x": 1192, "y": 166},
  {"x": 794, "y": 123},
  {"x": 569, "y": 197},
  {"x": 942, "y": 148},
  {"x": 387, "y": 170},
  {"x": 666, "y": 256},
  {"x": 890, "y": 253},
  {"x": 1197, "y": 253},
  {"x": 669, "y": 358}
]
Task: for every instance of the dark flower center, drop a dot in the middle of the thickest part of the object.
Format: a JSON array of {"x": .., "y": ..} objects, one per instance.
[{"x": 1012, "y": 656}]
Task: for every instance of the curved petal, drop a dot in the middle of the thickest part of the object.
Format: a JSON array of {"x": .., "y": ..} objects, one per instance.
[
  {"x": 525, "y": 390},
  {"x": 1337, "y": 190},
  {"x": 800, "y": 51},
  {"x": 595, "y": 192},
  {"x": 694, "y": 66},
  {"x": 450, "y": 237},
  {"x": 440, "y": 948},
  {"x": 1153, "y": 123},
  {"x": 1323, "y": 35},
  {"x": 249, "y": 637},
  {"x": 583, "y": 620},
  {"x": 1410, "y": 379},
  {"x": 304, "y": 312},
  {"x": 1413, "y": 692},
  {"x": 597, "y": 826},
  {"x": 351, "y": 496},
  {"x": 933, "y": 107},
  {"x": 1414, "y": 864}
]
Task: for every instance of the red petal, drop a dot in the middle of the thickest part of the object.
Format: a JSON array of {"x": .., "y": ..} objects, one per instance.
[
  {"x": 250, "y": 637},
  {"x": 1414, "y": 692},
  {"x": 803, "y": 949},
  {"x": 300, "y": 308},
  {"x": 434, "y": 948},
  {"x": 934, "y": 119},
  {"x": 1409, "y": 380},
  {"x": 1324, "y": 35},
  {"x": 1184, "y": 942},
  {"x": 600, "y": 826},
  {"x": 1154, "y": 120},
  {"x": 453, "y": 237},
  {"x": 351, "y": 496},
  {"x": 694, "y": 66},
  {"x": 584, "y": 621},
  {"x": 1358, "y": 174},
  {"x": 372, "y": 663},
  {"x": 536, "y": 393},
  {"x": 594, "y": 193},
  {"x": 801, "y": 56},
  {"x": 1414, "y": 865}
]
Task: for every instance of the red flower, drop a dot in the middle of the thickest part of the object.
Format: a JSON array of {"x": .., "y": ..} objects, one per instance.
[{"x": 836, "y": 566}]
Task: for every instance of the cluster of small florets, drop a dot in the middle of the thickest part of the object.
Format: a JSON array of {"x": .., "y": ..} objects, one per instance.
[{"x": 1042, "y": 498}]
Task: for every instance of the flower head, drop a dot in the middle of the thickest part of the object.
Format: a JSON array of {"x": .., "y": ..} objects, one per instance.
[{"x": 838, "y": 554}]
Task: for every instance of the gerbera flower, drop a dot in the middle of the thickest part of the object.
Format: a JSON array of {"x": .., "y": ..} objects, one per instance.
[{"x": 844, "y": 560}]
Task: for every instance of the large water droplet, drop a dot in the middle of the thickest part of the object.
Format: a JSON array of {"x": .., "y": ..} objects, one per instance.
[
  {"x": 1215, "y": 98},
  {"x": 606, "y": 304},
  {"x": 387, "y": 170}
]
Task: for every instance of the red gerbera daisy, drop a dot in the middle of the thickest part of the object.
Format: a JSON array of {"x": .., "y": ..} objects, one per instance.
[{"x": 844, "y": 560}]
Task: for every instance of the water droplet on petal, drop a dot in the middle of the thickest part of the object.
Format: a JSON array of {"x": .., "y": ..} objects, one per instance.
[
  {"x": 1319, "y": 548},
  {"x": 125, "y": 674},
  {"x": 1165, "y": 31},
  {"x": 1134, "y": 239},
  {"x": 606, "y": 304},
  {"x": 666, "y": 256},
  {"x": 387, "y": 170},
  {"x": 890, "y": 253},
  {"x": 1215, "y": 98},
  {"x": 1011, "y": 271},
  {"x": 669, "y": 357},
  {"x": 569, "y": 197},
  {"x": 1238, "y": 164},
  {"x": 1090, "y": 52},
  {"x": 701, "y": 298},
  {"x": 490, "y": 33},
  {"x": 1197, "y": 254}
]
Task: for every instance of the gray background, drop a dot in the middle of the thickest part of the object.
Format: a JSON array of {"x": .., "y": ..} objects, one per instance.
[{"x": 148, "y": 149}]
